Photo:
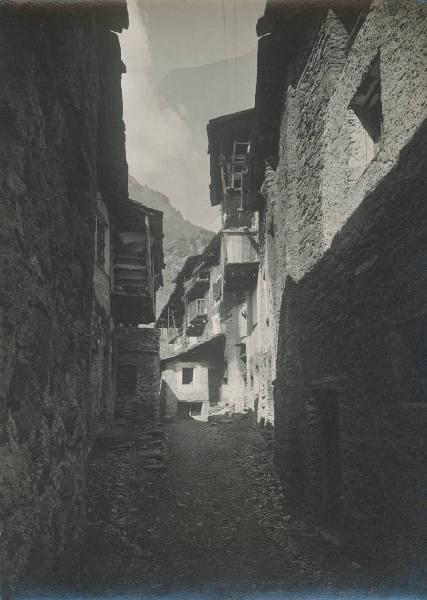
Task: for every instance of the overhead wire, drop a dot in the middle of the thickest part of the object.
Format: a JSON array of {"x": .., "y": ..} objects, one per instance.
[
  {"x": 236, "y": 79},
  {"x": 227, "y": 95}
]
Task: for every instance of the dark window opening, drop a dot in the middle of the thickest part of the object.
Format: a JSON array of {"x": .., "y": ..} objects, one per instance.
[
  {"x": 187, "y": 376},
  {"x": 126, "y": 379},
  {"x": 225, "y": 374},
  {"x": 217, "y": 291},
  {"x": 240, "y": 150},
  {"x": 366, "y": 104},
  {"x": 214, "y": 384}
]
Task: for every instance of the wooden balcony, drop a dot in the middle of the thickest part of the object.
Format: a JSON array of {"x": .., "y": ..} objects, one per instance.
[
  {"x": 197, "y": 284},
  {"x": 239, "y": 259},
  {"x": 197, "y": 316},
  {"x": 174, "y": 333},
  {"x": 133, "y": 290}
]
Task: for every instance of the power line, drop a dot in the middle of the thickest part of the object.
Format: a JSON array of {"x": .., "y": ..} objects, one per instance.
[
  {"x": 226, "y": 54},
  {"x": 236, "y": 80}
]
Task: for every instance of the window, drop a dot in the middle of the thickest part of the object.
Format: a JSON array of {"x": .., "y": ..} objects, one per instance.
[
  {"x": 238, "y": 169},
  {"x": 225, "y": 374},
  {"x": 217, "y": 290},
  {"x": 254, "y": 308},
  {"x": 243, "y": 357},
  {"x": 101, "y": 228},
  {"x": 240, "y": 150},
  {"x": 366, "y": 105},
  {"x": 187, "y": 376}
]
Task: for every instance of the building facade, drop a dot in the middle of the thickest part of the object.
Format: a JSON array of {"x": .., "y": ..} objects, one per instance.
[
  {"x": 64, "y": 205},
  {"x": 337, "y": 175},
  {"x": 192, "y": 352},
  {"x": 215, "y": 304}
]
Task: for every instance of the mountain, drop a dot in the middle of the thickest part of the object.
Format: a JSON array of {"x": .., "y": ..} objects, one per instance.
[
  {"x": 182, "y": 238},
  {"x": 204, "y": 92}
]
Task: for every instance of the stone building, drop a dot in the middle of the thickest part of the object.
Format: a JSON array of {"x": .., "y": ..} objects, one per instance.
[
  {"x": 64, "y": 201},
  {"x": 192, "y": 352},
  {"x": 337, "y": 173},
  {"x": 211, "y": 356},
  {"x": 137, "y": 255}
]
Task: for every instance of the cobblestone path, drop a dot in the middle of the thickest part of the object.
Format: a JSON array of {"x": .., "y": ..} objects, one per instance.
[{"x": 196, "y": 506}]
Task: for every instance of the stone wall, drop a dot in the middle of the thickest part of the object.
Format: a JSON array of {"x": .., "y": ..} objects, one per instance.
[
  {"x": 346, "y": 246},
  {"x": 233, "y": 389},
  {"x": 138, "y": 348},
  {"x": 53, "y": 367}
]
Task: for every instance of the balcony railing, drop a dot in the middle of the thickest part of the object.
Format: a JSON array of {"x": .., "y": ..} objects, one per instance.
[
  {"x": 197, "y": 316},
  {"x": 177, "y": 341},
  {"x": 198, "y": 283},
  {"x": 239, "y": 258}
]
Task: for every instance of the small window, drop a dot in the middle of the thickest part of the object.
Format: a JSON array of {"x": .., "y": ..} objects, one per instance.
[
  {"x": 240, "y": 150},
  {"x": 187, "y": 376},
  {"x": 101, "y": 228},
  {"x": 366, "y": 105},
  {"x": 225, "y": 374},
  {"x": 217, "y": 291},
  {"x": 254, "y": 309}
]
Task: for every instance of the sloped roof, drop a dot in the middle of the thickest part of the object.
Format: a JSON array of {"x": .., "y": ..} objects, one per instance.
[{"x": 211, "y": 348}]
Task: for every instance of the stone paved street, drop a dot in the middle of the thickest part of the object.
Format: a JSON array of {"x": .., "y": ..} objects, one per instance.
[{"x": 208, "y": 516}]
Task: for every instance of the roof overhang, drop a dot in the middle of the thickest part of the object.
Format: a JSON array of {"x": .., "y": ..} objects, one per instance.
[{"x": 211, "y": 348}]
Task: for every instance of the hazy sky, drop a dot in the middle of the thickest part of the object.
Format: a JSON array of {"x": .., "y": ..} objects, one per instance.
[{"x": 166, "y": 140}]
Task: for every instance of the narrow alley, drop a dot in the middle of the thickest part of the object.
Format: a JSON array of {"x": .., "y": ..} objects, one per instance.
[
  {"x": 197, "y": 506},
  {"x": 213, "y": 300}
]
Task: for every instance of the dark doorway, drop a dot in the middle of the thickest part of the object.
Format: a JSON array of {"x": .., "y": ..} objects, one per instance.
[
  {"x": 126, "y": 379},
  {"x": 214, "y": 383},
  {"x": 196, "y": 409},
  {"x": 183, "y": 410},
  {"x": 328, "y": 455}
]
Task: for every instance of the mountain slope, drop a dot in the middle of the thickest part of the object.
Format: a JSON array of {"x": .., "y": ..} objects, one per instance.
[
  {"x": 182, "y": 238},
  {"x": 205, "y": 92}
]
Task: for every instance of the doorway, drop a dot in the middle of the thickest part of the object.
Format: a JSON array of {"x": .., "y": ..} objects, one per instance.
[
  {"x": 183, "y": 410},
  {"x": 327, "y": 448},
  {"x": 214, "y": 383}
]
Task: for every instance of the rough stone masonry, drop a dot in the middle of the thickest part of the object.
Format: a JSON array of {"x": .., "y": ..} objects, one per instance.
[
  {"x": 62, "y": 139},
  {"x": 343, "y": 238}
]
